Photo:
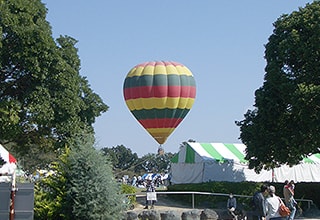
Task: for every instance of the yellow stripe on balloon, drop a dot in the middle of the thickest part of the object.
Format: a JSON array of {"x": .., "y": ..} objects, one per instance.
[
  {"x": 159, "y": 69},
  {"x": 184, "y": 70},
  {"x": 160, "y": 131},
  {"x": 148, "y": 70},
  {"x": 173, "y": 70},
  {"x": 160, "y": 134},
  {"x": 159, "y": 103}
]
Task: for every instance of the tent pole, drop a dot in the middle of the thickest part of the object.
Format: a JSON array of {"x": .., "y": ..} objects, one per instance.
[
  {"x": 12, "y": 196},
  {"x": 273, "y": 177}
]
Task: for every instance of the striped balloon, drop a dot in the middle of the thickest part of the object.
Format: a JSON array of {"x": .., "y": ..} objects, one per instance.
[{"x": 159, "y": 94}]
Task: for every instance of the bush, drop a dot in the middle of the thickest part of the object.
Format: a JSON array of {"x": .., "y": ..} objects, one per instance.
[
  {"x": 302, "y": 191},
  {"x": 241, "y": 188},
  {"x": 82, "y": 187},
  {"x": 127, "y": 189}
]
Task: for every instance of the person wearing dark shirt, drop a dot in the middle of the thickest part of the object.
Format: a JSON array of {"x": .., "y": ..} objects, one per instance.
[
  {"x": 150, "y": 188},
  {"x": 232, "y": 206},
  {"x": 259, "y": 209}
]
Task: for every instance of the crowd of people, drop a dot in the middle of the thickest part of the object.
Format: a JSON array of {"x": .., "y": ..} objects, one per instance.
[
  {"x": 141, "y": 181},
  {"x": 149, "y": 182},
  {"x": 266, "y": 203}
]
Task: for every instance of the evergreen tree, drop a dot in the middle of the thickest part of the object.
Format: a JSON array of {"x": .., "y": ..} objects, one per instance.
[{"x": 83, "y": 187}]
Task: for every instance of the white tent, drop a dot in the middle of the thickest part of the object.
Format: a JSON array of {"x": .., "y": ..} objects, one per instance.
[
  {"x": 10, "y": 162},
  {"x": 204, "y": 162}
]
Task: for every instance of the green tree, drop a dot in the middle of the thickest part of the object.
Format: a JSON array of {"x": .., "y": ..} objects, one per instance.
[
  {"x": 154, "y": 163},
  {"x": 51, "y": 192},
  {"x": 82, "y": 186},
  {"x": 122, "y": 158},
  {"x": 126, "y": 162},
  {"x": 44, "y": 102},
  {"x": 284, "y": 126}
]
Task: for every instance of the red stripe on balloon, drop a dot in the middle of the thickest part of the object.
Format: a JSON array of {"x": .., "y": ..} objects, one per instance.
[
  {"x": 158, "y": 63},
  {"x": 161, "y": 122},
  {"x": 160, "y": 92}
]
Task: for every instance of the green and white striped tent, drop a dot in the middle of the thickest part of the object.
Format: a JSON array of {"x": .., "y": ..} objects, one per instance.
[{"x": 203, "y": 162}]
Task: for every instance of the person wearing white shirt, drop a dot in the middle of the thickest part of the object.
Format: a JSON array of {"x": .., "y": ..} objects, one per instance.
[{"x": 272, "y": 205}]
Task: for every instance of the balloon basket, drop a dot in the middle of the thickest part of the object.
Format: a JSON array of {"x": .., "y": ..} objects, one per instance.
[{"x": 160, "y": 151}]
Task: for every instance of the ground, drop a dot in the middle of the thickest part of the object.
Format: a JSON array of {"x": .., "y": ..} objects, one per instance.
[{"x": 166, "y": 204}]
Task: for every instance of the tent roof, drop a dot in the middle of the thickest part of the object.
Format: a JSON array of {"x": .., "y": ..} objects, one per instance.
[
  {"x": 6, "y": 156},
  {"x": 221, "y": 152}
]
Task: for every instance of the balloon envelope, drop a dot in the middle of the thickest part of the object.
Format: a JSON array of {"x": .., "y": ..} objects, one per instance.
[{"x": 159, "y": 94}]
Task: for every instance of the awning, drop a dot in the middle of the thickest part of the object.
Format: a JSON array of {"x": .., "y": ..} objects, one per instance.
[
  {"x": 222, "y": 152},
  {"x": 6, "y": 156},
  {"x": 10, "y": 163}
]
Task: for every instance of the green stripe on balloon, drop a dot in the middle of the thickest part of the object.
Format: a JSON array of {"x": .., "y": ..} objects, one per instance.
[
  {"x": 159, "y": 80},
  {"x": 160, "y": 113}
]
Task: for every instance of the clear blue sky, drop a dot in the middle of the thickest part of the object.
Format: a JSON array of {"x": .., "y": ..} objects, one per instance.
[{"x": 221, "y": 42}]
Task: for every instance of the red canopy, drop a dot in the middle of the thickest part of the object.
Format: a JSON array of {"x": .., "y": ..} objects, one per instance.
[{"x": 6, "y": 156}]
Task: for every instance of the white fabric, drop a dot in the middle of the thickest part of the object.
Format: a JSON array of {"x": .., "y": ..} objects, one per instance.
[
  {"x": 251, "y": 175},
  {"x": 151, "y": 196},
  {"x": 200, "y": 151},
  {"x": 225, "y": 153},
  {"x": 314, "y": 158},
  {"x": 186, "y": 173},
  {"x": 4, "y": 153},
  {"x": 7, "y": 168},
  {"x": 272, "y": 206},
  {"x": 220, "y": 148},
  {"x": 198, "y": 158},
  {"x": 299, "y": 173},
  {"x": 215, "y": 171},
  {"x": 208, "y": 169}
]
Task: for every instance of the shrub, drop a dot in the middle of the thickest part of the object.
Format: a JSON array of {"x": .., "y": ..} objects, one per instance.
[
  {"x": 83, "y": 187},
  {"x": 127, "y": 189},
  {"x": 302, "y": 191}
]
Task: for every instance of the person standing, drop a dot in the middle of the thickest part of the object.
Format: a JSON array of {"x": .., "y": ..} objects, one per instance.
[
  {"x": 150, "y": 188},
  {"x": 288, "y": 194},
  {"x": 272, "y": 205},
  {"x": 134, "y": 180},
  {"x": 259, "y": 209},
  {"x": 232, "y": 206}
]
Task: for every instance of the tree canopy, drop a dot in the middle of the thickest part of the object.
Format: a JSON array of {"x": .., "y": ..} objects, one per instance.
[
  {"x": 122, "y": 158},
  {"x": 154, "y": 163},
  {"x": 284, "y": 126},
  {"x": 124, "y": 161},
  {"x": 44, "y": 101}
]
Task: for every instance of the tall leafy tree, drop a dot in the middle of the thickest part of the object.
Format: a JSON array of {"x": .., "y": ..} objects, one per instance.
[
  {"x": 122, "y": 158},
  {"x": 154, "y": 163},
  {"x": 126, "y": 162},
  {"x": 44, "y": 102},
  {"x": 285, "y": 124},
  {"x": 82, "y": 186}
]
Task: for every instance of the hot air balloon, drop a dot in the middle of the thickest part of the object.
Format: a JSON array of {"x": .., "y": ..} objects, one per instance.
[{"x": 159, "y": 94}]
